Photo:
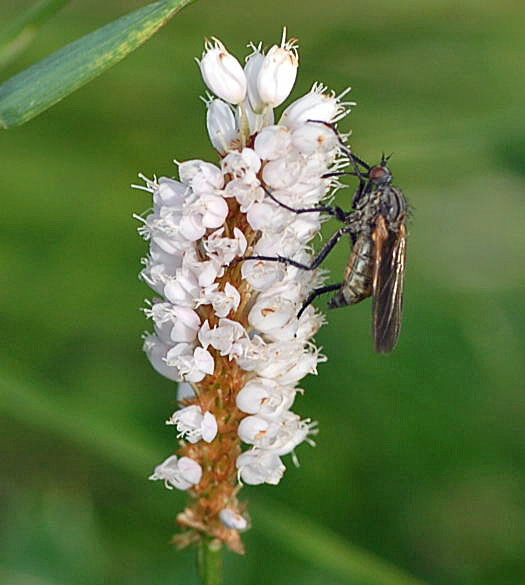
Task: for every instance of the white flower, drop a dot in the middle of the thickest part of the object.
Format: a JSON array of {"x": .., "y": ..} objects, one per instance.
[
  {"x": 202, "y": 177},
  {"x": 224, "y": 250},
  {"x": 232, "y": 519},
  {"x": 223, "y": 302},
  {"x": 256, "y": 467},
  {"x": 271, "y": 312},
  {"x": 193, "y": 364},
  {"x": 262, "y": 275},
  {"x": 193, "y": 424},
  {"x": 273, "y": 142},
  {"x": 170, "y": 192},
  {"x": 222, "y": 73},
  {"x": 255, "y": 120},
  {"x": 278, "y": 71},
  {"x": 249, "y": 352},
  {"x": 315, "y": 105},
  {"x": 156, "y": 351},
  {"x": 268, "y": 216},
  {"x": 223, "y": 336},
  {"x": 173, "y": 323},
  {"x": 209, "y": 211},
  {"x": 243, "y": 165},
  {"x": 254, "y": 429},
  {"x": 183, "y": 288},
  {"x": 222, "y": 128},
  {"x": 179, "y": 473},
  {"x": 251, "y": 70},
  {"x": 245, "y": 193},
  {"x": 287, "y": 362},
  {"x": 265, "y": 397},
  {"x": 314, "y": 137},
  {"x": 283, "y": 172}
]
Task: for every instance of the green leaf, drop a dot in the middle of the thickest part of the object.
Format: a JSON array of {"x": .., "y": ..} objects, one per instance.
[
  {"x": 21, "y": 31},
  {"x": 28, "y": 401},
  {"x": 32, "y": 91}
]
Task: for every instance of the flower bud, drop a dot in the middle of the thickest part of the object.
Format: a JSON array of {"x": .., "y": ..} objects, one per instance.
[
  {"x": 222, "y": 73},
  {"x": 233, "y": 520},
  {"x": 252, "y": 68},
  {"x": 278, "y": 72},
  {"x": 221, "y": 125},
  {"x": 315, "y": 105}
]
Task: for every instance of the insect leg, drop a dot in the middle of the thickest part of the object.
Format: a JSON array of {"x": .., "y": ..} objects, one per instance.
[
  {"x": 334, "y": 211},
  {"x": 346, "y": 229},
  {"x": 317, "y": 292}
]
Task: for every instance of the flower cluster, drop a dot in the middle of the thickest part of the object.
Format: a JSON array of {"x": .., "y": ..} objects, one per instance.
[{"x": 229, "y": 330}]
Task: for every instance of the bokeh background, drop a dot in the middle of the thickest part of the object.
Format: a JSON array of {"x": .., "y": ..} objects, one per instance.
[{"x": 421, "y": 454}]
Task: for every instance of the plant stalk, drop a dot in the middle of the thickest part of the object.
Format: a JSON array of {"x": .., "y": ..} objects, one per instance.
[{"x": 209, "y": 561}]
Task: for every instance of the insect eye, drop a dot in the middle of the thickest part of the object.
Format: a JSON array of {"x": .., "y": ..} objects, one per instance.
[{"x": 380, "y": 175}]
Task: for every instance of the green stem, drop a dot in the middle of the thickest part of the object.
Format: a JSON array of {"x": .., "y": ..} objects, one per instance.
[{"x": 209, "y": 561}]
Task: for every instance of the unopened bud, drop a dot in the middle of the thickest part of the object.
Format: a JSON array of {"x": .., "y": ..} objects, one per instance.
[
  {"x": 278, "y": 72},
  {"x": 221, "y": 125},
  {"x": 315, "y": 105},
  {"x": 222, "y": 73}
]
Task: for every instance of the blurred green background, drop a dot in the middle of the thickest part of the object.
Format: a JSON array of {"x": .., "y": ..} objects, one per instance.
[{"x": 421, "y": 454}]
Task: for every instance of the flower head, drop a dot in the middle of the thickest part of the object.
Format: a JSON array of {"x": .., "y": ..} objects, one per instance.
[{"x": 229, "y": 331}]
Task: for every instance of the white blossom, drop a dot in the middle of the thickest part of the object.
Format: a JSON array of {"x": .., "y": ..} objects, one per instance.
[
  {"x": 254, "y": 62},
  {"x": 221, "y": 125},
  {"x": 223, "y": 336},
  {"x": 259, "y": 466},
  {"x": 177, "y": 473},
  {"x": 193, "y": 364},
  {"x": 318, "y": 104},
  {"x": 265, "y": 397},
  {"x": 222, "y": 73},
  {"x": 277, "y": 74},
  {"x": 193, "y": 424},
  {"x": 223, "y": 302},
  {"x": 232, "y": 519}
]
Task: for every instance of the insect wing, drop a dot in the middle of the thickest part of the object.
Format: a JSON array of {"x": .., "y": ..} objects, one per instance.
[{"x": 389, "y": 275}]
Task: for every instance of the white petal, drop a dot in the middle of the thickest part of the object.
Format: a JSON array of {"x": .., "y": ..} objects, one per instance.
[
  {"x": 209, "y": 427},
  {"x": 204, "y": 360},
  {"x": 190, "y": 470},
  {"x": 233, "y": 520},
  {"x": 222, "y": 73}
]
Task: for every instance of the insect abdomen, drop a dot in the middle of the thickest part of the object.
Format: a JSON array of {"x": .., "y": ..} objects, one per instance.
[{"x": 358, "y": 276}]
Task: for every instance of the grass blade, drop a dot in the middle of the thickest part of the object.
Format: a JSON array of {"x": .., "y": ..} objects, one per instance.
[
  {"x": 20, "y": 32},
  {"x": 37, "y": 88}
]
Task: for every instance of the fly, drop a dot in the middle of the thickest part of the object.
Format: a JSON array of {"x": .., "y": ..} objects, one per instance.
[
  {"x": 376, "y": 225},
  {"x": 376, "y": 266}
]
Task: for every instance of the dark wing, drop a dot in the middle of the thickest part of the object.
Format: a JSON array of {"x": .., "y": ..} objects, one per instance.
[{"x": 389, "y": 276}]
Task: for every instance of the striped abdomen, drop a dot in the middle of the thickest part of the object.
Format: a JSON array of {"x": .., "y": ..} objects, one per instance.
[{"x": 358, "y": 276}]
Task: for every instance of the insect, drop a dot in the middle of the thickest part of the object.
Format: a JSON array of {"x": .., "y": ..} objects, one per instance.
[{"x": 376, "y": 267}]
